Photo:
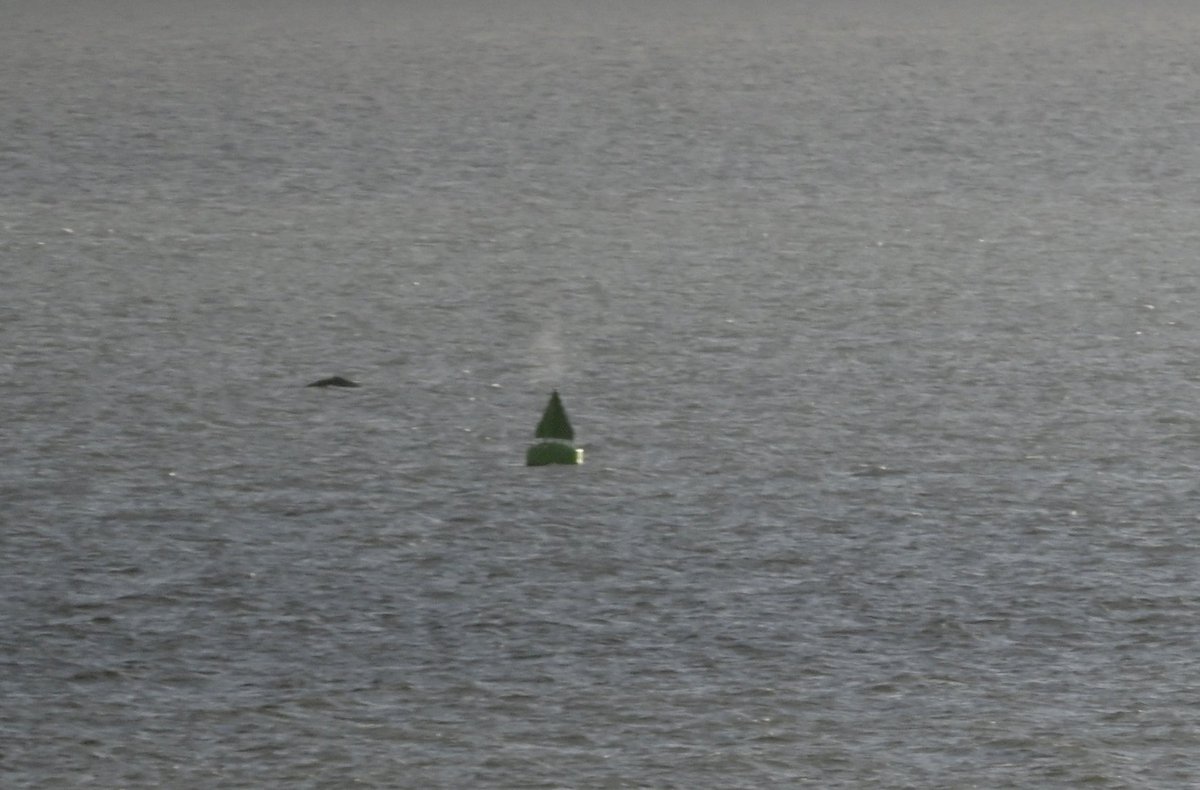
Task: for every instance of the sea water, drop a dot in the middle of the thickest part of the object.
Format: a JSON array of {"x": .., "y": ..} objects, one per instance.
[{"x": 877, "y": 323}]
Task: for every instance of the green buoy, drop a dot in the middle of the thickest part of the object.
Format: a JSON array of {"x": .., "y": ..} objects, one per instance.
[{"x": 556, "y": 429}]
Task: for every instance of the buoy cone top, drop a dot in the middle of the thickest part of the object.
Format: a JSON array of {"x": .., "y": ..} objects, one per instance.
[{"x": 554, "y": 423}]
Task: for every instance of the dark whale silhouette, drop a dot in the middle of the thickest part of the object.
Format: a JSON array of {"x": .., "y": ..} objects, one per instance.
[{"x": 334, "y": 381}]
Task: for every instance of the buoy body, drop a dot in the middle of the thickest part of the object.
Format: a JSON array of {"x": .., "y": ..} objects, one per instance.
[
  {"x": 555, "y": 430},
  {"x": 552, "y": 453}
]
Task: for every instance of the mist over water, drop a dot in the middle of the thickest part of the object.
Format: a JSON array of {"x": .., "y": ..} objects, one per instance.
[
  {"x": 876, "y": 322},
  {"x": 547, "y": 356}
]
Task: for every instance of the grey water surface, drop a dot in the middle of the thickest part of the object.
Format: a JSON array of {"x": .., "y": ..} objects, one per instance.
[{"x": 877, "y": 322}]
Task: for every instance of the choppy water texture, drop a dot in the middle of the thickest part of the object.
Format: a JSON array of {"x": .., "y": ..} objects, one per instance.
[{"x": 877, "y": 324}]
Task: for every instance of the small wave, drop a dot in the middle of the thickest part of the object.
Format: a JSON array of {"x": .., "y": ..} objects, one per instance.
[{"x": 876, "y": 470}]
